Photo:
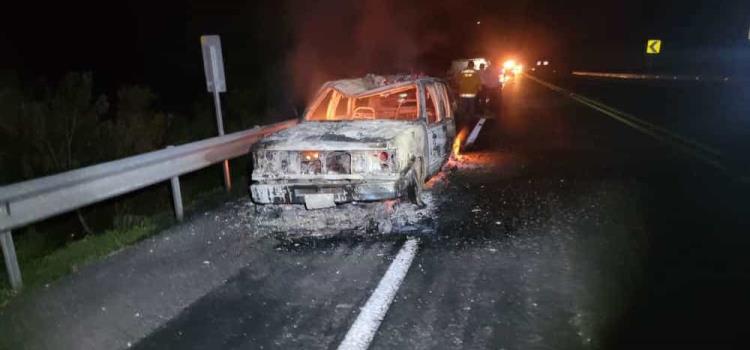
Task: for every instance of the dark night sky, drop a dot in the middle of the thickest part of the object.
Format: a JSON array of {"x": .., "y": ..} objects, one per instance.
[{"x": 156, "y": 42}]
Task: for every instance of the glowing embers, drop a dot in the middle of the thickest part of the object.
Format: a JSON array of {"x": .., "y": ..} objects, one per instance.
[
  {"x": 310, "y": 162},
  {"x": 315, "y": 162},
  {"x": 458, "y": 142}
]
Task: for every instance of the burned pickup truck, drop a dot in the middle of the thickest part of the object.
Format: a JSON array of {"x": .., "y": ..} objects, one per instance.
[{"x": 367, "y": 139}]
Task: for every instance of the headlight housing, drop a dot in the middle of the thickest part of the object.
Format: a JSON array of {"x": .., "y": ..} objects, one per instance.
[
  {"x": 286, "y": 162},
  {"x": 328, "y": 162},
  {"x": 375, "y": 161}
]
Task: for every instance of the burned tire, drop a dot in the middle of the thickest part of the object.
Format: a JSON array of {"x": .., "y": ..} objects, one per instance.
[{"x": 414, "y": 192}]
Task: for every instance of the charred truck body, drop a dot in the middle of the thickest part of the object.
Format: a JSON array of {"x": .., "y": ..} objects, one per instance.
[{"x": 365, "y": 139}]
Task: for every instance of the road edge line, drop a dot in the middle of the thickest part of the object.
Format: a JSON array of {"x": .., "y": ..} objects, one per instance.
[
  {"x": 677, "y": 137},
  {"x": 674, "y": 135},
  {"x": 368, "y": 321},
  {"x": 713, "y": 162},
  {"x": 699, "y": 151}
]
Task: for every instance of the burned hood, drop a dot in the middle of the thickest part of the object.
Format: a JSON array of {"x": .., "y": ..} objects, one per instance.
[{"x": 369, "y": 134}]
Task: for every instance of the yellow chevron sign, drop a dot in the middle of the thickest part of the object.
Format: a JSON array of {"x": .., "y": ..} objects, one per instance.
[{"x": 653, "y": 46}]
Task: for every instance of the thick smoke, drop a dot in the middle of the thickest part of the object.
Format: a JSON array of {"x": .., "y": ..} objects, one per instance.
[{"x": 343, "y": 38}]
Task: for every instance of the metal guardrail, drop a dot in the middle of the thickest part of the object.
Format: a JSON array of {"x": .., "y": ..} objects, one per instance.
[{"x": 34, "y": 200}]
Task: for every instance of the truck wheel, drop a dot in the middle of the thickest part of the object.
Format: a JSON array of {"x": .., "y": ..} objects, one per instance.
[{"x": 414, "y": 192}]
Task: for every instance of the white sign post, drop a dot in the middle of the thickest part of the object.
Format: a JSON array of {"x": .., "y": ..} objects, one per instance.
[{"x": 213, "y": 66}]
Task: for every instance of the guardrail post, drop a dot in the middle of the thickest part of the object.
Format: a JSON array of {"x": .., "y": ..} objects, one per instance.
[
  {"x": 9, "y": 253},
  {"x": 176, "y": 196},
  {"x": 227, "y": 176}
]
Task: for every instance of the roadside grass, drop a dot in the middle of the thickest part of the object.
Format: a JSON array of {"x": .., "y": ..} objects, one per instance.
[{"x": 42, "y": 264}]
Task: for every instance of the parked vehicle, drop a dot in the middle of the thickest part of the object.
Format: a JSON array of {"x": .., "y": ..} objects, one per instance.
[{"x": 366, "y": 139}]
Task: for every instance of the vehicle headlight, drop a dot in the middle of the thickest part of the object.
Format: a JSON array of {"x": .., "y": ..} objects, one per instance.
[
  {"x": 310, "y": 156},
  {"x": 278, "y": 161},
  {"x": 377, "y": 161},
  {"x": 338, "y": 162},
  {"x": 310, "y": 162}
]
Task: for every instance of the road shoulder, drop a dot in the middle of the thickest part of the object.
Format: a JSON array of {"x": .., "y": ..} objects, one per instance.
[{"x": 117, "y": 301}]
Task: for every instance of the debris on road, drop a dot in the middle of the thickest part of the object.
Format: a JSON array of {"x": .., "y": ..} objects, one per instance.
[{"x": 295, "y": 221}]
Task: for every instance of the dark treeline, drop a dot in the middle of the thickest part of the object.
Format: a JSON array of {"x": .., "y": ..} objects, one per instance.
[
  {"x": 93, "y": 90},
  {"x": 51, "y": 127}
]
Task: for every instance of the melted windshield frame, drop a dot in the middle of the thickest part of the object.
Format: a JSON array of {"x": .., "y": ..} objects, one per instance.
[{"x": 333, "y": 98}]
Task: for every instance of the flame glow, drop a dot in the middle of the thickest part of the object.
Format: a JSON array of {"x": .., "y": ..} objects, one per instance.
[
  {"x": 310, "y": 155},
  {"x": 458, "y": 142}
]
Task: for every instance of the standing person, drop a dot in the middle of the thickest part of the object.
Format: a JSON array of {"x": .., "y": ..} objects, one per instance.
[
  {"x": 469, "y": 84},
  {"x": 490, "y": 89},
  {"x": 482, "y": 94}
]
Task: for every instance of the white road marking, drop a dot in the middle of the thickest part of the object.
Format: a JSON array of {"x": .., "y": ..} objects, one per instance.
[
  {"x": 371, "y": 315},
  {"x": 690, "y": 147}
]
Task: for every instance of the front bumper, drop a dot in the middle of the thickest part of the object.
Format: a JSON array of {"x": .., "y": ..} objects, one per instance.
[{"x": 294, "y": 192}]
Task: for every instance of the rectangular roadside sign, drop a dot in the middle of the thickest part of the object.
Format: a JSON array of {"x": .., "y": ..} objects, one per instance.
[{"x": 213, "y": 63}]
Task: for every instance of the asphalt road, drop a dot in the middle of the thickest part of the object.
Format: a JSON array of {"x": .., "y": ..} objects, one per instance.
[
  {"x": 562, "y": 229},
  {"x": 711, "y": 112}
]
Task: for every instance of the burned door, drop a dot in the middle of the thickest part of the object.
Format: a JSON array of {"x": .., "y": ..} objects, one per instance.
[
  {"x": 437, "y": 130},
  {"x": 447, "y": 112}
]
